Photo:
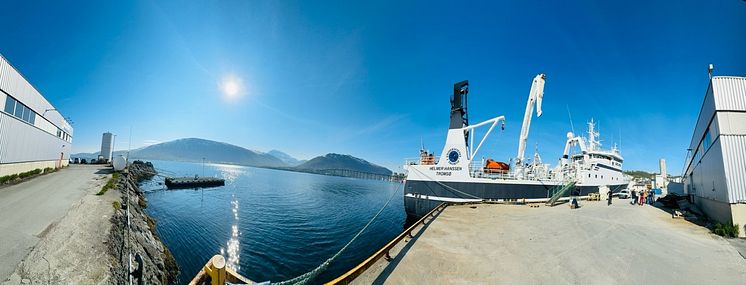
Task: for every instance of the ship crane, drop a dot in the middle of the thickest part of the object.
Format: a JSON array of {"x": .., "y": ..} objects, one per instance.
[
  {"x": 572, "y": 140},
  {"x": 534, "y": 98}
]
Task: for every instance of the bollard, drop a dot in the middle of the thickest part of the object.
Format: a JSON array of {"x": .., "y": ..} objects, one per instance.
[{"x": 216, "y": 270}]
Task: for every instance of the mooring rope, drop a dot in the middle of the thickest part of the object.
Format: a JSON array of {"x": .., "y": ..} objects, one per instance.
[{"x": 311, "y": 275}]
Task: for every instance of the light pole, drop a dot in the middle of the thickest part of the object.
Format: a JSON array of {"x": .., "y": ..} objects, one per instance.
[
  {"x": 47, "y": 110},
  {"x": 113, "y": 145}
]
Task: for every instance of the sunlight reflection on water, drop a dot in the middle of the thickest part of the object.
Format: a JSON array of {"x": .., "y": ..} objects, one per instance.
[{"x": 233, "y": 243}]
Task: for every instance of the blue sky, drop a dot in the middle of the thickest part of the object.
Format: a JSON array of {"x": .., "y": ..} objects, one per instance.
[{"x": 373, "y": 79}]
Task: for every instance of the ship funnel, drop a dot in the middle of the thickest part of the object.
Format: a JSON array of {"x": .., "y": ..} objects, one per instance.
[{"x": 459, "y": 115}]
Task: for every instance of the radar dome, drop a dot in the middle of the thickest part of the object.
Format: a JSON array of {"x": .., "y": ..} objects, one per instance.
[{"x": 119, "y": 163}]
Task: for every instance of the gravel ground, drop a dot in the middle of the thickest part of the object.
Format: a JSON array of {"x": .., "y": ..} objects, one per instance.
[{"x": 62, "y": 225}]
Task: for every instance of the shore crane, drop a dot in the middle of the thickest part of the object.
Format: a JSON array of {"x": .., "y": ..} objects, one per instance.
[{"x": 534, "y": 98}]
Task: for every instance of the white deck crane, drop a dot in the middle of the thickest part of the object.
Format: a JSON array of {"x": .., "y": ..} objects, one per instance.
[
  {"x": 572, "y": 140},
  {"x": 534, "y": 98}
]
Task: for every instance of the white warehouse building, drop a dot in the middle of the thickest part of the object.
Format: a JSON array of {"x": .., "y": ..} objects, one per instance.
[
  {"x": 715, "y": 170},
  {"x": 33, "y": 134}
]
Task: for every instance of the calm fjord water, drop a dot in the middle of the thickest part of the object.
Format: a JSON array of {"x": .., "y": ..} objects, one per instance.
[{"x": 271, "y": 224}]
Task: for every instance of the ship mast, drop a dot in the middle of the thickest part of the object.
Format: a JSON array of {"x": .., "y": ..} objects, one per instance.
[{"x": 593, "y": 142}]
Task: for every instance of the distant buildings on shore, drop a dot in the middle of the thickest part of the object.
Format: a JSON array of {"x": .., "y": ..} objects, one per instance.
[{"x": 33, "y": 134}]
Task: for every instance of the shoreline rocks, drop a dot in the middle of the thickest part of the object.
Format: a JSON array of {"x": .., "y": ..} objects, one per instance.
[{"x": 159, "y": 266}]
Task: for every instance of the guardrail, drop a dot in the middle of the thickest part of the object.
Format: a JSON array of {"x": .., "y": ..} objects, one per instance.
[{"x": 384, "y": 251}]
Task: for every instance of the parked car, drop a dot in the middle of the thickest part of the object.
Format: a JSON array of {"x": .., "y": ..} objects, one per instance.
[
  {"x": 76, "y": 160},
  {"x": 83, "y": 161},
  {"x": 624, "y": 194}
]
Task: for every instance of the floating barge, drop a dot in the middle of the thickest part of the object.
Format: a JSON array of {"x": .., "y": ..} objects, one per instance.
[{"x": 193, "y": 182}]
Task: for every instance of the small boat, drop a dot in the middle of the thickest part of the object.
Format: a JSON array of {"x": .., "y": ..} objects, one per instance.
[{"x": 193, "y": 182}]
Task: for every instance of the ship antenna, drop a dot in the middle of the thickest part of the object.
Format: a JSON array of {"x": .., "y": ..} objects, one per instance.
[{"x": 570, "y": 116}]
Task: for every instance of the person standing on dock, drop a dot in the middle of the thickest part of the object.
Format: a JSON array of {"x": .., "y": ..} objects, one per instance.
[
  {"x": 609, "y": 198},
  {"x": 633, "y": 195}
]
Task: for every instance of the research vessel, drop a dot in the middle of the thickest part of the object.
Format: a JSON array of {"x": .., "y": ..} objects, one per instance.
[{"x": 457, "y": 175}]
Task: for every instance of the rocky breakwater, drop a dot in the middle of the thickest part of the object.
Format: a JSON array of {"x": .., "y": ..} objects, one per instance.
[{"x": 158, "y": 265}]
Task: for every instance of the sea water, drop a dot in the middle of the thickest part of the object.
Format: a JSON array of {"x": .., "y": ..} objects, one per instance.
[{"x": 271, "y": 224}]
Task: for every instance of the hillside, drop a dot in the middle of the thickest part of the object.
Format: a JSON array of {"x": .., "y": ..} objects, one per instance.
[
  {"x": 639, "y": 174},
  {"x": 342, "y": 161},
  {"x": 194, "y": 150},
  {"x": 286, "y": 158}
]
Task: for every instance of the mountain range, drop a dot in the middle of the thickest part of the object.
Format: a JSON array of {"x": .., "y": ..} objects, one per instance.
[
  {"x": 286, "y": 158},
  {"x": 196, "y": 149},
  {"x": 343, "y": 161}
]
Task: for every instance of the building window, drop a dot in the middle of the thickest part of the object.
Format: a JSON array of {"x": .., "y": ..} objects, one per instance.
[
  {"x": 19, "y": 110},
  {"x": 706, "y": 142},
  {"x": 27, "y": 115},
  {"x": 10, "y": 105}
]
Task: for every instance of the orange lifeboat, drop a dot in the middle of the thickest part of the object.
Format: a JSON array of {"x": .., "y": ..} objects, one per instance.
[{"x": 492, "y": 166}]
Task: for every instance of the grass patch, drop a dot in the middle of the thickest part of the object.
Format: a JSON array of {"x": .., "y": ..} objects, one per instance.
[
  {"x": 116, "y": 205},
  {"x": 109, "y": 184},
  {"x": 729, "y": 231},
  {"x": 23, "y": 175}
]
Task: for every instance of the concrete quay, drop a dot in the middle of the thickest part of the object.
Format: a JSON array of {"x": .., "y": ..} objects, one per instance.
[{"x": 595, "y": 244}]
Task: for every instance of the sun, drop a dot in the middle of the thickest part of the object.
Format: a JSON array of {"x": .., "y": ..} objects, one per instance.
[{"x": 231, "y": 86}]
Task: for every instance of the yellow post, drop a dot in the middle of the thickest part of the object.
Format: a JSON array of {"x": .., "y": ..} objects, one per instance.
[{"x": 216, "y": 270}]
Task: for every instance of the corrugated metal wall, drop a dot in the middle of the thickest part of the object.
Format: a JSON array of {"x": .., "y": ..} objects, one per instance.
[
  {"x": 21, "y": 142},
  {"x": 709, "y": 175},
  {"x": 708, "y": 109},
  {"x": 730, "y": 93},
  {"x": 734, "y": 152},
  {"x": 13, "y": 83}
]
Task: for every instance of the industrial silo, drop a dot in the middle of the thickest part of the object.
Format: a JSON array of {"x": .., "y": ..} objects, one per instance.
[{"x": 107, "y": 142}]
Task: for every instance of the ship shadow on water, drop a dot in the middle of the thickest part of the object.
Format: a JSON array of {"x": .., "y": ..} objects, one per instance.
[{"x": 409, "y": 221}]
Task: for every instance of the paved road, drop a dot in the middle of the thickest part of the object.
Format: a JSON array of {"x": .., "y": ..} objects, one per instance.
[
  {"x": 28, "y": 209},
  {"x": 596, "y": 244}
]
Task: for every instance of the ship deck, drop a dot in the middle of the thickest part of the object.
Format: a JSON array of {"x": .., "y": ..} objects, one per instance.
[{"x": 595, "y": 244}]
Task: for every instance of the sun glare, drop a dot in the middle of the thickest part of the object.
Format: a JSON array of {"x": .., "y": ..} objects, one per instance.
[{"x": 231, "y": 87}]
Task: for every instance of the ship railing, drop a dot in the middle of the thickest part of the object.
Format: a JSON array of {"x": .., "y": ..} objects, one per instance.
[
  {"x": 418, "y": 161},
  {"x": 476, "y": 170}
]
